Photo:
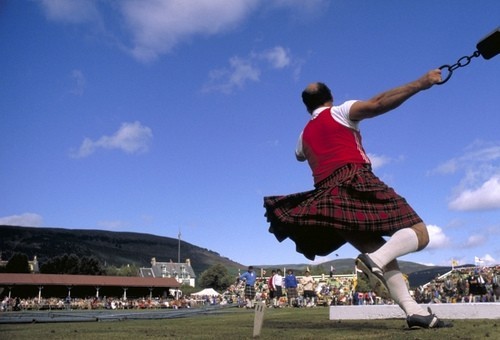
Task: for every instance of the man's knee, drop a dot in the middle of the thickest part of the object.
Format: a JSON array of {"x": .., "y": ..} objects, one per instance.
[{"x": 422, "y": 235}]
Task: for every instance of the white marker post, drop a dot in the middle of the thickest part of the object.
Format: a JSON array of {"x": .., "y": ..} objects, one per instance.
[{"x": 260, "y": 307}]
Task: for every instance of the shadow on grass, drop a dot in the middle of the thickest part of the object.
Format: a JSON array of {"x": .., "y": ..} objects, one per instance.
[{"x": 339, "y": 325}]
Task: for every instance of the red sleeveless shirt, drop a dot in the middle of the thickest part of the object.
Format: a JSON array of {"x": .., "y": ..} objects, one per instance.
[{"x": 328, "y": 145}]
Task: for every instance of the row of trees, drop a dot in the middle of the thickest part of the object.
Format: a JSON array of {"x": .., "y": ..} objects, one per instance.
[
  {"x": 216, "y": 277},
  {"x": 18, "y": 263},
  {"x": 72, "y": 264}
]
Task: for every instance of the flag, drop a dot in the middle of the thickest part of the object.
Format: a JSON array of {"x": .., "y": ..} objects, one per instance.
[{"x": 477, "y": 260}]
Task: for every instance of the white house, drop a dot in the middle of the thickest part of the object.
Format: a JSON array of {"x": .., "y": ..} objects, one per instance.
[{"x": 182, "y": 272}]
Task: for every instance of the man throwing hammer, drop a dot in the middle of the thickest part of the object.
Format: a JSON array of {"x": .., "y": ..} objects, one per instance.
[{"x": 349, "y": 203}]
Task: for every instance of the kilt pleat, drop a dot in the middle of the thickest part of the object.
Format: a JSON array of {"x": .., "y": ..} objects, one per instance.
[
  {"x": 351, "y": 199},
  {"x": 249, "y": 291}
]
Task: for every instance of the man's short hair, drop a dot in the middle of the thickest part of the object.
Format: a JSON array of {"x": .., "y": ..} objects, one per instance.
[{"x": 315, "y": 96}]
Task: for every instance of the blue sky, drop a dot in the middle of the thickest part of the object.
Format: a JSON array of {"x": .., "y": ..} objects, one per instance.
[{"x": 167, "y": 116}]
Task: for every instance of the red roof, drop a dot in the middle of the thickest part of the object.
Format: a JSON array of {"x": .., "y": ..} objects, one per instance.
[{"x": 12, "y": 279}]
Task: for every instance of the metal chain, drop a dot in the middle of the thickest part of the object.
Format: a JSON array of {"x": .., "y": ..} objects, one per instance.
[{"x": 464, "y": 61}]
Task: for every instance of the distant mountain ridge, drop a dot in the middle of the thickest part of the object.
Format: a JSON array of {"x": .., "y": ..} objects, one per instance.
[
  {"x": 122, "y": 248},
  {"x": 112, "y": 248}
]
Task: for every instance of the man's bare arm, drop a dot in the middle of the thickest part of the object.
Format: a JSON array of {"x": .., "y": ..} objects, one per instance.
[{"x": 391, "y": 99}]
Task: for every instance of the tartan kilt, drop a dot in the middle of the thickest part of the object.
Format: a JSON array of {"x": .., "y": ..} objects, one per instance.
[
  {"x": 291, "y": 293},
  {"x": 351, "y": 199},
  {"x": 250, "y": 291}
]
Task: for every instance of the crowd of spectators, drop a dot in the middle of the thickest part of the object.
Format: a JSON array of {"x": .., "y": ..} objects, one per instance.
[
  {"x": 328, "y": 291},
  {"x": 17, "y": 304},
  {"x": 460, "y": 285}
]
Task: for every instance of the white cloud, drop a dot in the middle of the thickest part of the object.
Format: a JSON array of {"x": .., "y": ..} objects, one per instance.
[
  {"x": 131, "y": 138},
  {"x": 300, "y": 9},
  {"x": 70, "y": 11},
  {"x": 448, "y": 167},
  {"x": 239, "y": 72},
  {"x": 149, "y": 29},
  {"x": 242, "y": 70},
  {"x": 23, "y": 220},
  {"x": 488, "y": 260},
  {"x": 479, "y": 152},
  {"x": 79, "y": 79},
  {"x": 157, "y": 26},
  {"x": 378, "y": 160},
  {"x": 475, "y": 241},
  {"x": 437, "y": 237},
  {"x": 278, "y": 57},
  {"x": 486, "y": 197},
  {"x": 153, "y": 27},
  {"x": 479, "y": 187}
]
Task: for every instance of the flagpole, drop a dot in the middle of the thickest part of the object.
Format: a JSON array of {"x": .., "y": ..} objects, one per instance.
[{"x": 179, "y": 248}]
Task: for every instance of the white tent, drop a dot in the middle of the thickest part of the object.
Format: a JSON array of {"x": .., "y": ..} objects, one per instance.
[{"x": 206, "y": 292}]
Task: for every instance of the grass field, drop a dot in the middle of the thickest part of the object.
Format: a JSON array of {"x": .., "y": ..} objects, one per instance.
[{"x": 234, "y": 323}]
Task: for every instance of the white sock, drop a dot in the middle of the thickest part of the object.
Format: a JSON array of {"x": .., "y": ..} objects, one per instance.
[
  {"x": 401, "y": 295},
  {"x": 403, "y": 242}
]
